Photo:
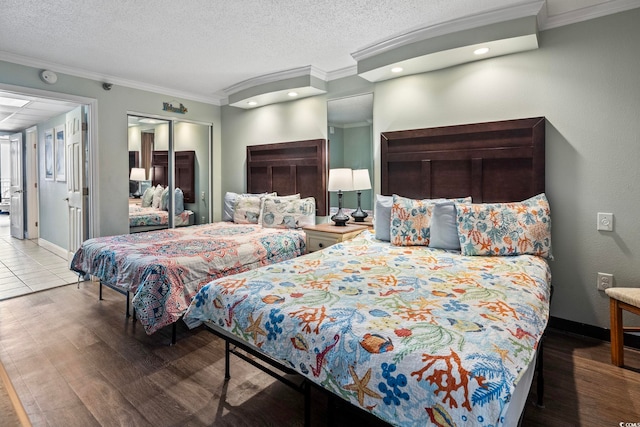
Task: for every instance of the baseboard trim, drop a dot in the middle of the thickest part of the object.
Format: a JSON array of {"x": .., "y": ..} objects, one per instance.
[
  {"x": 52, "y": 247},
  {"x": 591, "y": 331}
]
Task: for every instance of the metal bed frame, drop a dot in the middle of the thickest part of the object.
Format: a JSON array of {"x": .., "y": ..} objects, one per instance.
[{"x": 127, "y": 312}]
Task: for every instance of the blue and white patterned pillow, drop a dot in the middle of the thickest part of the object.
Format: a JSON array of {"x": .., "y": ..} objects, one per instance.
[
  {"x": 247, "y": 210},
  {"x": 506, "y": 228},
  {"x": 147, "y": 197},
  {"x": 288, "y": 213}
]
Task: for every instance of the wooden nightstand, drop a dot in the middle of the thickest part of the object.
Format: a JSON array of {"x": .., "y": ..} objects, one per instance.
[
  {"x": 322, "y": 236},
  {"x": 368, "y": 221}
]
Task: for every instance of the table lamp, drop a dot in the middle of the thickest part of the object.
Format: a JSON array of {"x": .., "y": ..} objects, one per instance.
[
  {"x": 137, "y": 174},
  {"x": 361, "y": 182},
  {"x": 340, "y": 180}
]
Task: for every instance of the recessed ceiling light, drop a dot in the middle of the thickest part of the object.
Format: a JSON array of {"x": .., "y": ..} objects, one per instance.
[
  {"x": 397, "y": 69},
  {"x": 481, "y": 51},
  {"x": 13, "y": 102},
  {"x": 252, "y": 103},
  {"x": 293, "y": 94}
]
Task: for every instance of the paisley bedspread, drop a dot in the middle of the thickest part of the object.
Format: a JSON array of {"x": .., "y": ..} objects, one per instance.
[
  {"x": 414, "y": 335},
  {"x": 139, "y": 216},
  {"x": 164, "y": 269}
]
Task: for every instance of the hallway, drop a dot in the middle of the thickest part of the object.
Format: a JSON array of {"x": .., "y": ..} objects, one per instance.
[{"x": 26, "y": 267}]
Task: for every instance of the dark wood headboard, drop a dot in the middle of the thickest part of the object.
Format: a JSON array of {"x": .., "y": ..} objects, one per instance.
[
  {"x": 491, "y": 162},
  {"x": 290, "y": 168},
  {"x": 185, "y": 166}
]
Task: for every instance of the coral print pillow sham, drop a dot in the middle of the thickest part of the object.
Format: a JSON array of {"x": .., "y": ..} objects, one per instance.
[
  {"x": 506, "y": 228},
  {"x": 411, "y": 220}
]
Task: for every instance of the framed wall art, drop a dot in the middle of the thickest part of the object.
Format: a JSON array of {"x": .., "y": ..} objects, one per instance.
[
  {"x": 60, "y": 155},
  {"x": 48, "y": 154}
]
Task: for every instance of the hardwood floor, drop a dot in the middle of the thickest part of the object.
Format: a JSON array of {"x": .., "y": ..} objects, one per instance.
[{"x": 76, "y": 361}]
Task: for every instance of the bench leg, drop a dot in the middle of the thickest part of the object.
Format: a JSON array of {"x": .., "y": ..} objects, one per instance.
[{"x": 617, "y": 337}]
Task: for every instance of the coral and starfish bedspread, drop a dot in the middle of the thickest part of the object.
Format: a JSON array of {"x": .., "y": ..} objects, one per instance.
[
  {"x": 416, "y": 336},
  {"x": 164, "y": 269}
]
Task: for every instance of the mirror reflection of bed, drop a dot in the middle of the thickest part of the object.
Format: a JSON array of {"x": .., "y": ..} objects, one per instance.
[
  {"x": 350, "y": 134},
  {"x": 149, "y": 143}
]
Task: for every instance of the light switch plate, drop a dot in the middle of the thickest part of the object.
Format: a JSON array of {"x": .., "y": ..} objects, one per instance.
[{"x": 605, "y": 221}]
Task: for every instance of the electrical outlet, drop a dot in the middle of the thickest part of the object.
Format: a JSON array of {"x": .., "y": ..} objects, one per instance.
[
  {"x": 605, "y": 221},
  {"x": 202, "y": 195},
  {"x": 605, "y": 281}
]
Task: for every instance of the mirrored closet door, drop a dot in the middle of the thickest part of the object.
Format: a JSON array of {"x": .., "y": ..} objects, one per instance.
[
  {"x": 350, "y": 133},
  {"x": 169, "y": 173}
]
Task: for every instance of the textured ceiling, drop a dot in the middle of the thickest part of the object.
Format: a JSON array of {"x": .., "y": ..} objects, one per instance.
[
  {"x": 197, "y": 48},
  {"x": 204, "y": 46}
]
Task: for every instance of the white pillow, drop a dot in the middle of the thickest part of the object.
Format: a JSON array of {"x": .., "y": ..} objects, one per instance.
[
  {"x": 157, "y": 196},
  {"x": 444, "y": 228},
  {"x": 382, "y": 217}
]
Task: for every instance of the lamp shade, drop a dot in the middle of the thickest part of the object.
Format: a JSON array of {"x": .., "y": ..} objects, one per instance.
[
  {"x": 138, "y": 174},
  {"x": 340, "y": 179},
  {"x": 361, "y": 179}
]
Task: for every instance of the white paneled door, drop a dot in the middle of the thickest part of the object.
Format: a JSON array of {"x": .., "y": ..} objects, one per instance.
[
  {"x": 77, "y": 197},
  {"x": 16, "y": 208}
]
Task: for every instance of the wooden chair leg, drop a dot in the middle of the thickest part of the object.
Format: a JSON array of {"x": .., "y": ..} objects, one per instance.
[{"x": 617, "y": 337}]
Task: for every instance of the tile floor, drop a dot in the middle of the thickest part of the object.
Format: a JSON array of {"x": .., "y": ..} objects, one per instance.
[{"x": 26, "y": 267}]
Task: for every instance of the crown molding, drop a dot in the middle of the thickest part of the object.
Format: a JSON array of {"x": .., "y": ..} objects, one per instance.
[
  {"x": 308, "y": 70},
  {"x": 530, "y": 8},
  {"x": 100, "y": 77},
  {"x": 349, "y": 71},
  {"x": 589, "y": 12}
]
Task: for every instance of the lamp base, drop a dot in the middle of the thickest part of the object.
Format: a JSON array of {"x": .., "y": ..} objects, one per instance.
[
  {"x": 359, "y": 215},
  {"x": 340, "y": 219}
]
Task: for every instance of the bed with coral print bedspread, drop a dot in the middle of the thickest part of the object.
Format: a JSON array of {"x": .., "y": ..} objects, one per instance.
[
  {"x": 164, "y": 269},
  {"x": 144, "y": 216},
  {"x": 414, "y": 335}
]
